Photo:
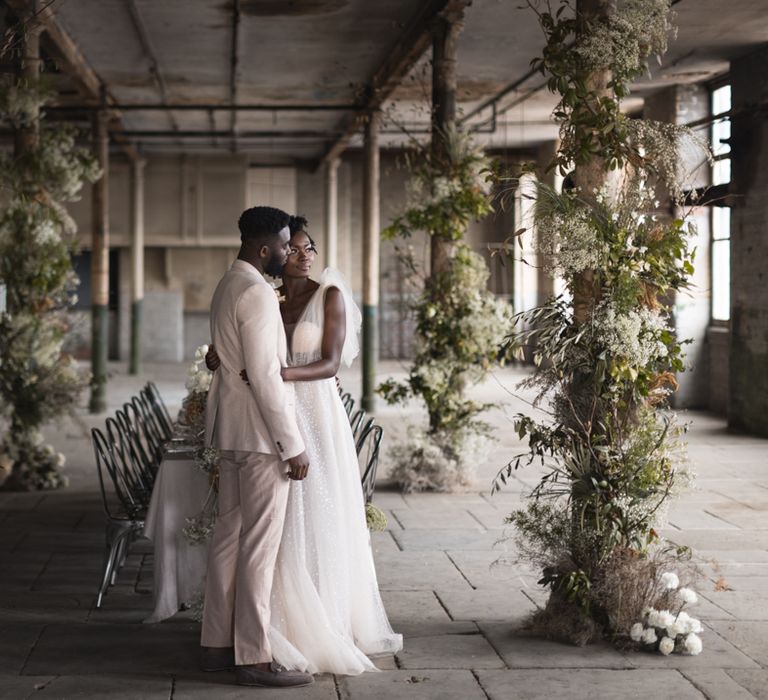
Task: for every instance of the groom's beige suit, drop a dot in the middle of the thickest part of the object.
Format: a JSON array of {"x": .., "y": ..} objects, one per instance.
[{"x": 255, "y": 429}]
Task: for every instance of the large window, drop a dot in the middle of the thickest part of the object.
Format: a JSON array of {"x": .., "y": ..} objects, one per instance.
[{"x": 721, "y": 216}]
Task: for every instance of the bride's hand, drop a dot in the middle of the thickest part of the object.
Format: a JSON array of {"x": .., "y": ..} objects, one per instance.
[
  {"x": 212, "y": 361},
  {"x": 244, "y": 377}
]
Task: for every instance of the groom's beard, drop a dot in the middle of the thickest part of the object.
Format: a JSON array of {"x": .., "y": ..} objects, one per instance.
[{"x": 274, "y": 268}]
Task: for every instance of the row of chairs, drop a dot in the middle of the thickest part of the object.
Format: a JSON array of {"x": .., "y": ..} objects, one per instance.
[
  {"x": 128, "y": 454},
  {"x": 368, "y": 436}
]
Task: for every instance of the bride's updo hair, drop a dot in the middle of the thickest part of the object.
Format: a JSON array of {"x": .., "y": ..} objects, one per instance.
[{"x": 298, "y": 224}]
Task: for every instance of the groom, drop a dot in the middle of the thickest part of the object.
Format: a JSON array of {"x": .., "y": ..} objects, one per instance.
[{"x": 254, "y": 428}]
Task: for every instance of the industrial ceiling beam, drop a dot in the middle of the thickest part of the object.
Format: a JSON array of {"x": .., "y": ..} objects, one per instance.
[
  {"x": 207, "y": 107},
  {"x": 413, "y": 43},
  {"x": 74, "y": 64},
  {"x": 234, "y": 60},
  {"x": 154, "y": 64}
]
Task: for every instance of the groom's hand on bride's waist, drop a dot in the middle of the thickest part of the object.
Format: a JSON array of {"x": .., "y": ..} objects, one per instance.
[{"x": 298, "y": 467}]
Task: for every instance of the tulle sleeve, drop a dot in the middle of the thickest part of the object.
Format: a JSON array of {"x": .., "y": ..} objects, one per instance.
[{"x": 333, "y": 278}]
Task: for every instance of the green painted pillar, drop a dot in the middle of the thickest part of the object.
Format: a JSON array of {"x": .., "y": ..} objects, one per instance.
[
  {"x": 371, "y": 236},
  {"x": 100, "y": 269}
]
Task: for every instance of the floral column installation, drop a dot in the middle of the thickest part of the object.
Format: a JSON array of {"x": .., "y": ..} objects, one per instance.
[
  {"x": 606, "y": 354},
  {"x": 39, "y": 382}
]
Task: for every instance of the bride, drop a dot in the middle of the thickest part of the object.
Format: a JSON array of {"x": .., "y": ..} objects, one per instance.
[{"x": 327, "y": 613}]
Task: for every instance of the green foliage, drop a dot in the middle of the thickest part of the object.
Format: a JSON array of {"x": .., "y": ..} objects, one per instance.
[
  {"x": 460, "y": 325},
  {"x": 38, "y": 381},
  {"x": 612, "y": 455}
]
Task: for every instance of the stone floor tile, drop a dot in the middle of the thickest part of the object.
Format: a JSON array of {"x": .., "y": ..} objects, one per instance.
[
  {"x": 423, "y": 684},
  {"x": 99, "y": 687},
  {"x": 84, "y": 649},
  {"x": 579, "y": 684},
  {"x": 416, "y": 570},
  {"x": 520, "y": 650},
  {"x": 749, "y": 636},
  {"x": 493, "y": 569},
  {"x": 383, "y": 542},
  {"x": 16, "y": 642},
  {"x": 756, "y": 682},
  {"x": 15, "y": 687},
  {"x": 222, "y": 686},
  {"x": 742, "y": 604},
  {"x": 420, "y": 613},
  {"x": 716, "y": 684},
  {"x": 436, "y": 519},
  {"x": 509, "y": 605},
  {"x": 449, "y": 651},
  {"x": 446, "y": 539},
  {"x": 696, "y": 519}
]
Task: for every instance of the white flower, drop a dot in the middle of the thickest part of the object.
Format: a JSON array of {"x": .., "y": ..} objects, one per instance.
[
  {"x": 661, "y": 618},
  {"x": 61, "y": 460},
  {"x": 201, "y": 352},
  {"x": 649, "y": 636},
  {"x": 688, "y": 596},
  {"x": 693, "y": 644},
  {"x": 666, "y": 646},
  {"x": 676, "y": 628},
  {"x": 670, "y": 581},
  {"x": 636, "y": 633},
  {"x": 695, "y": 626}
]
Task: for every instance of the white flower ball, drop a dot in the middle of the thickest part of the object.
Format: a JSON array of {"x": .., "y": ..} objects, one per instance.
[
  {"x": 61, "y": 460},
  {"x": 676, "y": 628},
  {"x": 665, "y": 619},
  {"x": 695, "y": 626},
  {"x": 649, "y": 636},
  {"x": 201, "y": 352},
  {"x": 670, "y": 580},
  {"x": 693, "y": 644},
  {"x": 636, "y": 633},
  {"x": 667, "y": 646},
  {"x": 688, "y": 596}
]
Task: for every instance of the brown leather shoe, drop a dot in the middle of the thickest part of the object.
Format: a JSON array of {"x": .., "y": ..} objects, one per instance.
[
  {"x": 278, "y": 677},
  {"x": 217, "y": 658}
]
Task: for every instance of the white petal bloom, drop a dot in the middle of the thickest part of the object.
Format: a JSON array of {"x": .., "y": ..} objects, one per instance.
[
  {"x": 667, "y": 646},
  {"x": 695, "y": 626},
  {"x": 653, "y": 618},
  {"x": 665, "y": 619},
  {"x": 693, "y": 644},
  {"x": 636, "y": 633},
  {"x": 688, "y": 596},
  {"x": 670, "y": 580},
  {"x": 675, "y": 629},
  {"x": 61, "y": 460},
  {"x": 649, "y": 636}
]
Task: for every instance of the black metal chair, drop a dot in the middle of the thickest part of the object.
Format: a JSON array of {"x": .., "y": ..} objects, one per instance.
[
  {"x": 139, "y": 477},
  {"x": 161, "y": 409},
  {"x": 124, "y": 510},
  {"x": 356, "y": 420},
  {"x": 131, "y": 424},
  {"x": 348, "y": 402},
  {"x": 368, "y": 447}
]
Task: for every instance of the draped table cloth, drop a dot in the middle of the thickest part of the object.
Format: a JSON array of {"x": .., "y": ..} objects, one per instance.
[{"x": 180, "y": 492}]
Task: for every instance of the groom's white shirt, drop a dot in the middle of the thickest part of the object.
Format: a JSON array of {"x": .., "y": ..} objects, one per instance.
[{"x": 248, "y": 333}]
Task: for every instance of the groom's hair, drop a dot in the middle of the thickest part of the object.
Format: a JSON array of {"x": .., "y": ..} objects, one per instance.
[{"x": 261, "y": 225}]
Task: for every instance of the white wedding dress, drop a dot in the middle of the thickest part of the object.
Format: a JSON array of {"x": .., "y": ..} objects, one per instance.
[{"x": 327, "y": 613}]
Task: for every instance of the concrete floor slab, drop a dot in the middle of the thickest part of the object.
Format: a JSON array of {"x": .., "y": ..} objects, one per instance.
[
  {"x": 85, "y": 649},
  {"x": 424, "y": 684},
  {"x": 449, "y": 651},
  {"x": 222, "y": 686},
  {"x": 756, "y": 682},
  {"x": 716, "y": 684},
  {"x": 751, "y": 637},
  {"x": 594, "y": 684},
  {"x": 520, "y": 650},
  {"x": 98, "y": 687},
  {"x": 21, "y": 687}
]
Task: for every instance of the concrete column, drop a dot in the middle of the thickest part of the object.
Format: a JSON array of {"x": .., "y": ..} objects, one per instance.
[
  {"x": 100, "y": 268},
  {"x": 332, "y": 213},
  {"x": 679, "y": 104},
  {"x": 445, "y": 39},
  {"x": 371, "y": 233},
  {"x": 748, "y": 395},
  {"x": 137, "y": 262}
]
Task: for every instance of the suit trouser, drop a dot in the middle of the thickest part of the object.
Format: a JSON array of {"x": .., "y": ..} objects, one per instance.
[{"x": 253, "y": 495}]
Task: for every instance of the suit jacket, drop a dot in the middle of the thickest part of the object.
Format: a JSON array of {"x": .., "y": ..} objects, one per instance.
[{"x": 248, "y": 332}]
